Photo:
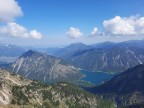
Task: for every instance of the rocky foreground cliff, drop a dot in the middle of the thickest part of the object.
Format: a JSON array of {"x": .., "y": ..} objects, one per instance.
[
  {"x": 7, "y": 81},
  {"x": 18, "y": 92}
]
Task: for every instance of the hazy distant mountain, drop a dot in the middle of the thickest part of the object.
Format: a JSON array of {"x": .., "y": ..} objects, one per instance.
[
  {"x": 71, "y": 49},
  {"x": 9, "y": 53},
  {"x": 35, "y": 65},
  {"x": 7, "y": 60},
  {"x": 78, "y": 46},
  {"x": 52, "y": 51},
  {"x": 8, "y": 50},
  {"x": 115, "y": 59},
  {"x": 18, "y": 92},
  {"x": 106, "y": 44},
  {"x": 59, "y": 52},
  {"x": 124, "y": 89},
  {"x": 130, "y": 43}
]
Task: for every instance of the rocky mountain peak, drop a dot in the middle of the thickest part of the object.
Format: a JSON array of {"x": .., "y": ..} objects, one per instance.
[{"x": 30, "y": 53}]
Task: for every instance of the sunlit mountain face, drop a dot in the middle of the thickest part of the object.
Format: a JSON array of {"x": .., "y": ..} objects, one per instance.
[
  {"x": 43, "y": 67},
  {"x": 71, "y": 53}
]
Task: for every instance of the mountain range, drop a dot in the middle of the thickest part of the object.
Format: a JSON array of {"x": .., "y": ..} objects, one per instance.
[
  {"x": 116, "y": 59},
  {"x": 81, "y": 46},
  {"x": 102, "y": 57},
  {"x": 9, "y": 54}
]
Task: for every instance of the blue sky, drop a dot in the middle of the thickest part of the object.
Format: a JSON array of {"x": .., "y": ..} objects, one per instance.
[
  {"x": 51, "y": 16},
  {"x": 61, "y": 22}
]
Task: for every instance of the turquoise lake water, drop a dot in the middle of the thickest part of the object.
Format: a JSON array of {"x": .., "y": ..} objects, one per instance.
[{"x": 97, "y": 77}]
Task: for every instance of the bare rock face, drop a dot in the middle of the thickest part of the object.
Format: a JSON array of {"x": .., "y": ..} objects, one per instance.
[
  {"x": 35, "y": 65},
  {"x": 7, "y": 80}
]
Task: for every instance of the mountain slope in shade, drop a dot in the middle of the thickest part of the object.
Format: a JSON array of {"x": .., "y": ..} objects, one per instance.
[
  {"x": 115, "y": 59},
  {"x": 124, "y": 89},
  {"x": 18, "y": 92},
  {"x": 35, "y": 65}
]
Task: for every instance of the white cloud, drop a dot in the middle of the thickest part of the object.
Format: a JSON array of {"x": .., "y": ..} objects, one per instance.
[
  {"x": 13, "y": 29},
  {"x": 74, "y": 33},
  {"x": 16, "y": 30},
  {"x": 124, "y": 26},
  {"x": 121, "y": 26},
  {"x": 94, "y": 32},
  {"x": 35, "y": 34},
  {"x": 9, "y": 9},
  {"x": 139, "y": 25}
]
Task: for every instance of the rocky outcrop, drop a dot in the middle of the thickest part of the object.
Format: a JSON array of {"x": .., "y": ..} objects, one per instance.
[{"x": 7, "y": 80}]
